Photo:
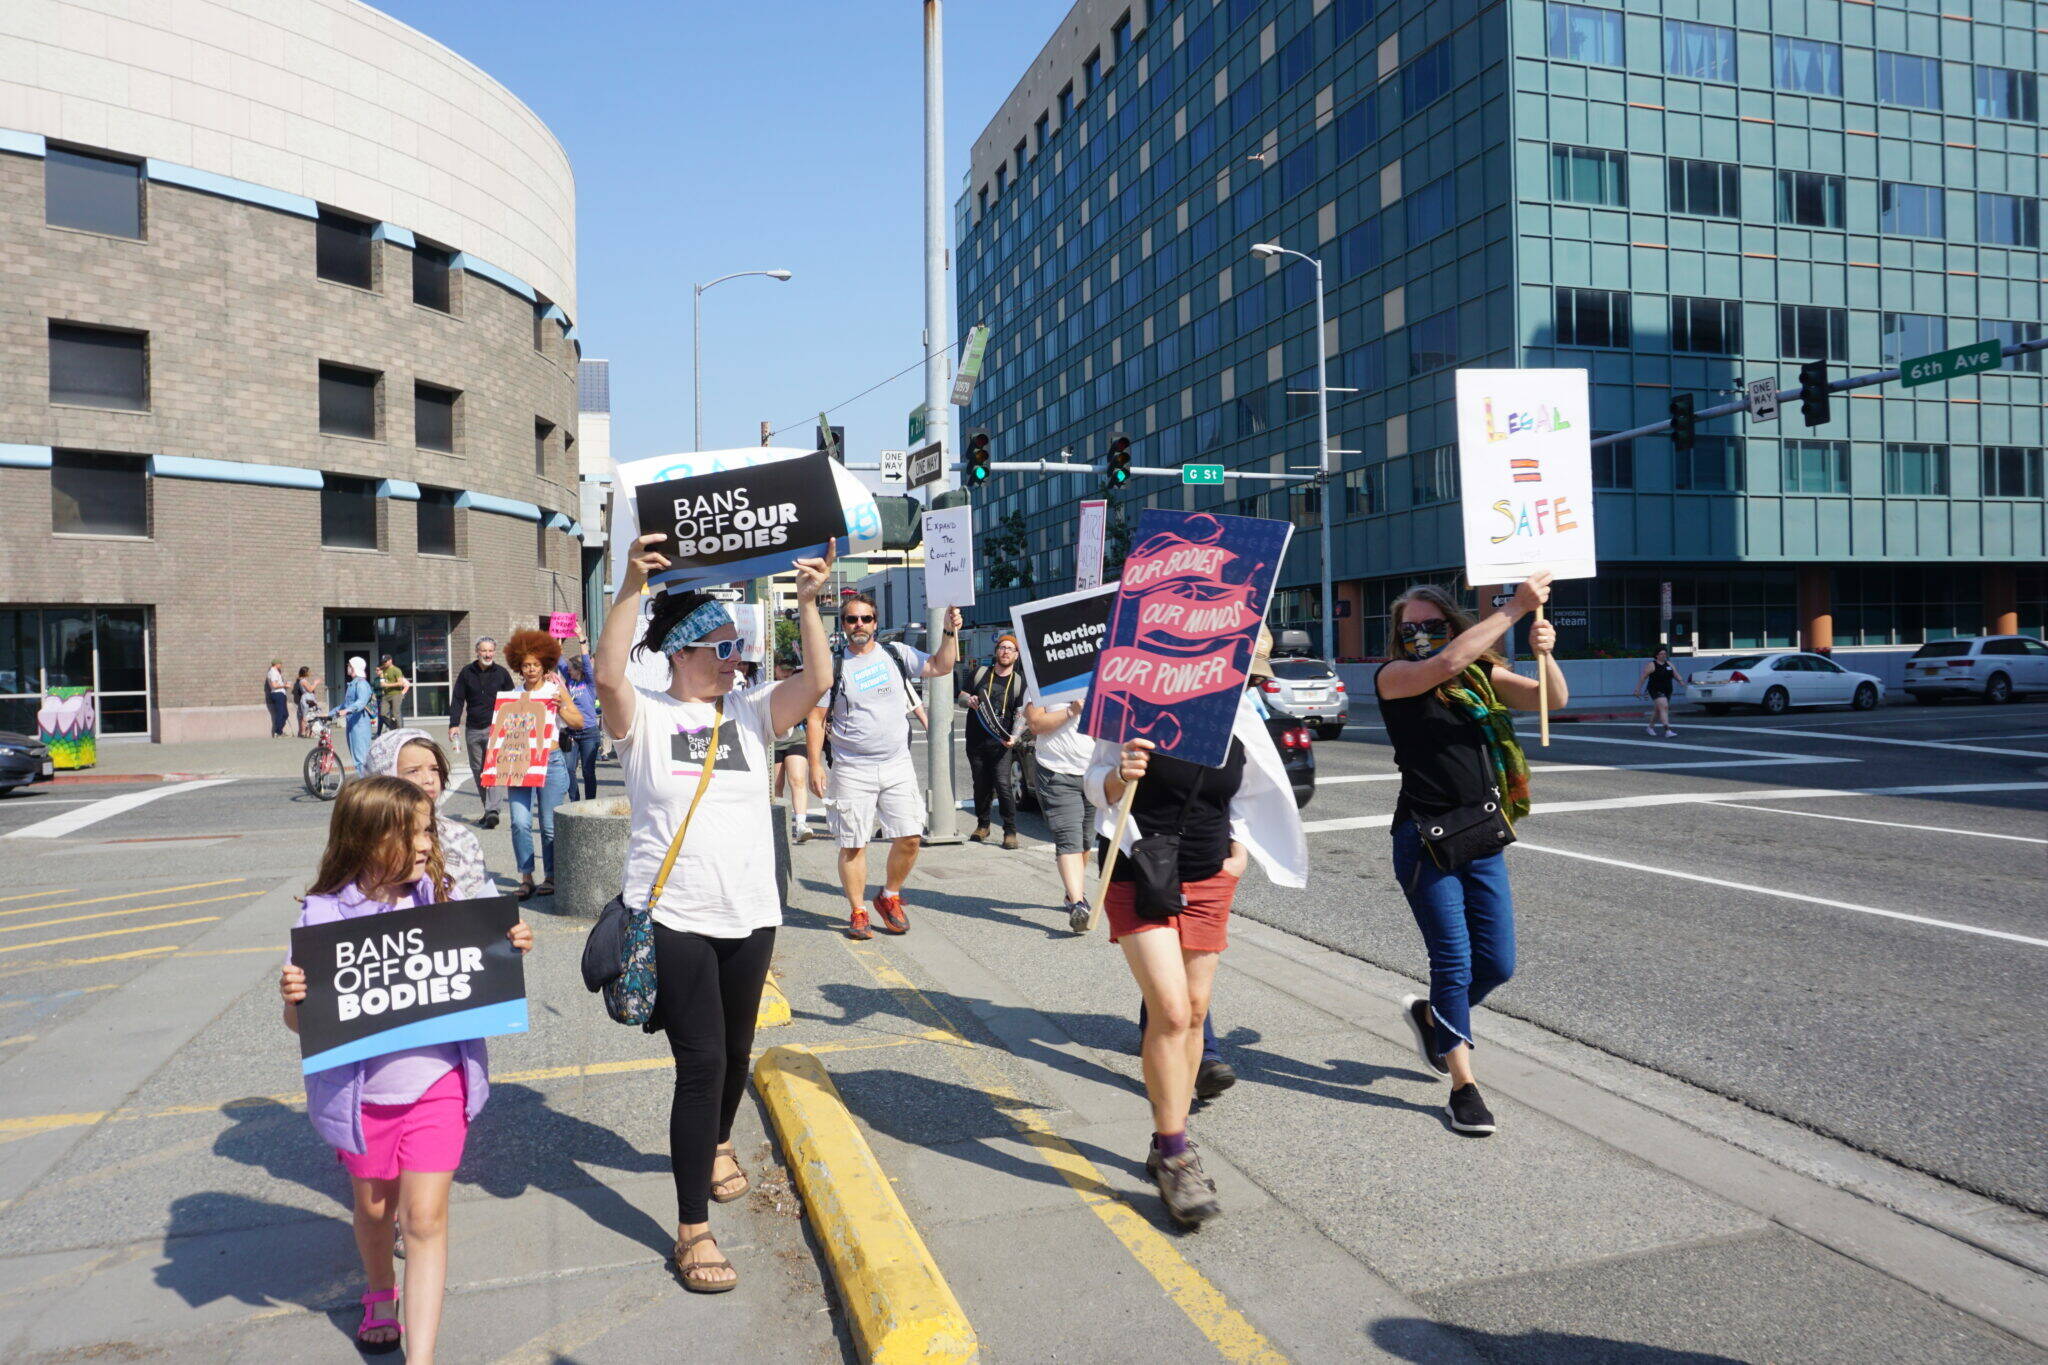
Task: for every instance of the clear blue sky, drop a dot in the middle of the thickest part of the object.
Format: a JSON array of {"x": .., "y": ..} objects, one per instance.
[{"x": 708, "y": 138}]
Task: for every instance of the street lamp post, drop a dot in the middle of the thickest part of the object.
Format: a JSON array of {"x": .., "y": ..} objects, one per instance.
[
  {"x": 697, "y": 345},
  {"x": 1265, "y": 251}
]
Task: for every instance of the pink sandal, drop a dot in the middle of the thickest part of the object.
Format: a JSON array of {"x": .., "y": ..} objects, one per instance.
[{"x": 372, "y": 1324}]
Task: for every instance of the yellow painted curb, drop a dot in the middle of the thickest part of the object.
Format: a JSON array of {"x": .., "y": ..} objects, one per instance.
[
  {"x": 774, "y": 1006},
  {"x": 899, "y": 1304}
]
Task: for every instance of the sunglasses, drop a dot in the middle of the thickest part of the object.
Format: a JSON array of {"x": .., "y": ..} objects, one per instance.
[
  {"x": 1437, "y": 629},
  {"x": 725, "y": 649},
  {"x": 858, "y": 620}
]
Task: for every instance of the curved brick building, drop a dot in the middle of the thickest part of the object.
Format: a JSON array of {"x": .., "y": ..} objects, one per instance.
[{"x": 287, "y": 358}]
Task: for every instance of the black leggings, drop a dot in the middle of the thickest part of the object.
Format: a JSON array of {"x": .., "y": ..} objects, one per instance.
[
  {"x": 708, "y": 997},
  {"x": 990, "y": 762}
]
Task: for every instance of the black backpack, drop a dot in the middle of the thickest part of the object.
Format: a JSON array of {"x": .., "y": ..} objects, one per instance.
[{"x": 839, "y": 677}]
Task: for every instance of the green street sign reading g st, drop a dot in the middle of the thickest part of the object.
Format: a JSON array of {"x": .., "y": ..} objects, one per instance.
[{"x": 1201, "y": 473}]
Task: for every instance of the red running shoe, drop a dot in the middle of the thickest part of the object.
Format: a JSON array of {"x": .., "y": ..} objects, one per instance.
[
  {"x": 889, "y": 905},
  {"x": 857, "y": 927}
]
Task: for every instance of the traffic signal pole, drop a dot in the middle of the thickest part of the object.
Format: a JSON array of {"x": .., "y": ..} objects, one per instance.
[{"x": 941, "y": 819}]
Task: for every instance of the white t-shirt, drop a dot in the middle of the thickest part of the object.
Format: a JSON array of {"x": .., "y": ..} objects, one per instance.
[
  {"x": 1065, "y": 751},
  {"x": 723, "y": 883},
  {"x": 869, "y": 723}
]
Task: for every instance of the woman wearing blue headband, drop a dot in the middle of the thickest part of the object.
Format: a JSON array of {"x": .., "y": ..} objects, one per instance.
[{"x": 694, "y": 757}]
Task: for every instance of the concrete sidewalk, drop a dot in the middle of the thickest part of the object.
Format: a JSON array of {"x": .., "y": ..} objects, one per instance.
[{"x": 1618, "y": 1215}]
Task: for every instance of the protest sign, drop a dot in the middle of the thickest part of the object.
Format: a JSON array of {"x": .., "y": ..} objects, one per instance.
[
  {"x": 752, "y": 620},
  {"x": 1088, "y": 544},
  {"x": 1182, "y": 629},
  {"x": 742, "y": 523},
  {"x": 1525, "y": 463},
  {"x": 1057, "y": 641},
  {"x": 522, "y": 737},
  {"x": 561, "y": 624},
  {"x": 949, "y": 558},
  {"x": 439, "y": 973}
]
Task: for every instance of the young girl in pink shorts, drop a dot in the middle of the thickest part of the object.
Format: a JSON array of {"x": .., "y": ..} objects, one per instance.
[{"x": 398, "y": 1122}]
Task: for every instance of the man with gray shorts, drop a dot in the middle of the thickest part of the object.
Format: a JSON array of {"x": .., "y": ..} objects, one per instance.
[{"x": 866, "y": 717}]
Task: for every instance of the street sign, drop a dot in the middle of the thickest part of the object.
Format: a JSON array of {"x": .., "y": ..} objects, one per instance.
[
  {"x": 918, "y": 415},
  {"x": 925, "y": 465},
  {"x": 892, "y": 465},
  {"x": 1501, "y": 599},
  {"x": 725, "y": 594},
  {"x": 1201, "y": 473},
  {"x": 1763, "y": 400},
  {"x": 970, "y": 364},
  {"x": 1975, "y": 358}
]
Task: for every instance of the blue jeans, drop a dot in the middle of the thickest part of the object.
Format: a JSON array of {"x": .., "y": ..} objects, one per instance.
[
  {"x": 1467, "y": 918},
  {"x": 582, "y": 757},
  {"x": 525, "y": 801}
]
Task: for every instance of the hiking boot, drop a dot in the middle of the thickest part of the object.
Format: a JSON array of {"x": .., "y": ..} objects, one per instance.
[
  {"x": 1213, "y": 1077},
  {"x": 889, "y": 905},
  {"x": 980, "y": 835},
  {"x": 857, "y": 926},
  {"x": 1010, "y": 840},
  {"x": 1077, "y": 916},
  {"x": 1186, "y": 1192}
]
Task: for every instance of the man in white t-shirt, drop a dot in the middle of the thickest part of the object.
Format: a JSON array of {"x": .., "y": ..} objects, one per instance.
[{"x": 866, "y": 719}]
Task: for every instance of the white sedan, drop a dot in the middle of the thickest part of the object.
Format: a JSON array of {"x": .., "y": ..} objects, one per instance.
[{"x": 1778, "y": 682}]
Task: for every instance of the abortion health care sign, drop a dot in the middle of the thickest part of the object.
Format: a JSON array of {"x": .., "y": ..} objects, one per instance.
[
  {"x": 742, "y": 523},
  {"x": 408, "y": 978},
  {"x": 949, "y": 558},
  {"x": 1182, "y": 629},
  {"x": 1525, "y": 459},
  {"x": 1058, "y": 639}
]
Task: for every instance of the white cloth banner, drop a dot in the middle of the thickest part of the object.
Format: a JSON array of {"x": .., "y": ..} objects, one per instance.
[
  {"x": 1088, "y": 548},
  {"x": 949, "y": 558},
  {"x": 1525, "y": 465}
]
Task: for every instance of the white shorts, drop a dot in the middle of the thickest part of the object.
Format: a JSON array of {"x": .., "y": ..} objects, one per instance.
[{"x": 859, "y": 793}]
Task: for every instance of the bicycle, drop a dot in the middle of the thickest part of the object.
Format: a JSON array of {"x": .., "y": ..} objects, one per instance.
[{"x": 322, "y": 772}]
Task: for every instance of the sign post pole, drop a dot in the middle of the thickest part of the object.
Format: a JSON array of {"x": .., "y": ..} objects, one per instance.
[
  {"x": 1116, "y": 842},
  {"x": 1542, "y": 691},
  {"x": 941, "y": 821}
]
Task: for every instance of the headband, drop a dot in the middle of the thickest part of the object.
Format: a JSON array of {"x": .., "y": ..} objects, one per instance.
[{"x": 698, "y": 624}]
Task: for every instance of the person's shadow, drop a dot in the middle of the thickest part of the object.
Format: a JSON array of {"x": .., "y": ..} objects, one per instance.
[
  {"x": 316, "y": 1275},
  {"x": 1420, "y": 1340}
]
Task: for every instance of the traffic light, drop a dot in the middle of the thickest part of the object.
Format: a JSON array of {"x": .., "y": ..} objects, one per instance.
[
  {"x": 978, "y": 455},
  {"x": 902, "y": 521},
  {"x": 1813, "y": 393},
  {"x": 1682, "y": 422},
  {"x": 832, "y": 440},
  {"x": 1119, "y": 459}
]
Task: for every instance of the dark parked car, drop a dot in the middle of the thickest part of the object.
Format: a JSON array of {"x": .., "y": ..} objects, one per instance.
[
  {"x": 1297, "y": 755},
  {"x": 23, "y": 760}
]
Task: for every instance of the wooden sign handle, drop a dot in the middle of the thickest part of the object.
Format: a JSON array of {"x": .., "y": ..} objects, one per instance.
[
  {"x": 1116, "y": 843},
  {"x": 1542, "y": 688}
]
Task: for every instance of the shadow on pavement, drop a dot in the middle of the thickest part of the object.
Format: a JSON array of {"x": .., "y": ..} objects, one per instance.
[
  {"x": 195, "y": 1269},
  {"x": 1422, "y": 1340}
]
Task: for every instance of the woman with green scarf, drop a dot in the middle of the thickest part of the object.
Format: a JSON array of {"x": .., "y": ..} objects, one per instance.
[{"x": 1444, "y": 694}]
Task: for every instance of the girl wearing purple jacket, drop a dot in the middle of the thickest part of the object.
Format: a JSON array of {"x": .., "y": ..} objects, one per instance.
[{"x": 397, "y": 1122}]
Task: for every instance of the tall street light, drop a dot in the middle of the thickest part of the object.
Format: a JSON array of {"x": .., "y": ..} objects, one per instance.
[
  {"x": 697, "y": 344},
  {"x": 1266, "y": 251}
]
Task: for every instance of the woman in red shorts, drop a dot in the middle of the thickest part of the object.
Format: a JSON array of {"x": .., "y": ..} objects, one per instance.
[{"x": 1225, "y": 817}]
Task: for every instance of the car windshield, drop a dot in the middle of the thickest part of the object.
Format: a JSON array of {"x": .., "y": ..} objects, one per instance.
[
  {"x": 1739, "y": 661},
  {"x": 1297, "y": 670},
  {"x": 1943, "y": 649}
]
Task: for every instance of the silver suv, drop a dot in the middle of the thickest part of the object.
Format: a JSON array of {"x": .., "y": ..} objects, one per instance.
[
  {"x": 1998, "y": 668},
  {"x": 1309, "y": 691}
]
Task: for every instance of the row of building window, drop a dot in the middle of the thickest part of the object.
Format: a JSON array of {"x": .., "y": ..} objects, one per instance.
[
  {"x": 1807, "y": 66},
  {"x": 1601, "y": 318}
]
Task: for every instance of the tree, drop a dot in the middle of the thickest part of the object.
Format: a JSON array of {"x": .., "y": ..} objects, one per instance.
[
  {"x": 1009, "y": 553},
  {"x": 787, "y": 633},
  {"x": 1116, "y": 540}
]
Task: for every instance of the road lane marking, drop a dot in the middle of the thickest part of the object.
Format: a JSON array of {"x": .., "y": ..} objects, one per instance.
[
  {"x": 131, "y": 910},
  {"x": 52, "y": 963},
  {"x": 1888, "y": 824},
  {"x": 54, "y": 995},
  {"x": 57, "y": 826},
  {"x": 1950, "y": 746},
  {"x": 1322, "y": 781},
  {"x": 1790, "y": 895},
  {"x": 54, "y": 891},
  {"x": 123, "y": 896},
  {"x": 110, "y": 933}
]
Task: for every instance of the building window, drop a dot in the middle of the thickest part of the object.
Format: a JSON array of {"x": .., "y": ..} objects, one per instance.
[
  {"x": 1907, "y": 336},
  {"x": 1358, "y": 249},
  {"x": 1914, "y": 82},
  {"x": 1712, "y": 189},
  {"x": 1614, "y": 464},
  {"x": 1706, "y": 326},
  {"x": 1592, "y": 317},
  {"x": 1350, "y": 17},
  {"x": 1704, "y": 52},
  {"x": 1580, "y": 33},
  {"x": 1432, "y": 210},
  {"x": 541, "y": 431},
  {"x": 1810, "y": 199},
  {"x": 1042, "y": 130},
  {"x": 1002, "y": 179},
  {"x": 92, "y": 193},
  {"x": 540, "y": 541},
  {"x": 1433, "y": 342},
  {"x": 2005, "y": 94},
  {"x": 1120, "y": 37},
  {"x": 1426, "y": 79},
  {"x": 1297, "y": 170},
  {"x": 433, "y": 417},
  {"x": 430, "y": 266},
  {"x": 1297, "y": 57},
  {"x": 1914, "y": 469},
  {"x": 348, "y": 401},
  {"x": 348, "y": 512},
  {"x": 1807, "y": 66},
  {"x": 1066, "y": 103},
  {"x": 97, "y": 367},
  {"x": 341, "y": 249},
  {"x": 1248, "y": 205},
  {"x": 981, "y": 202},
  {"x": 1809, "y": 332},
  {"x": 541, "y": 309},
  {"x": 437, "y": 521},
  {"x": 2012, "y": 472},
  {"x": 1433, "y": 476},
  {"x": 1816, "y": 466},
  {"x": 1358, "y": 127},
  {"x": 2013, "y": 334},
  {"x": 95, "y": 494},
  {"x": 1588, "y": 175},
  {"x": 1713, "y": 465},
  {"x": 1091, "y": 74},
  {"x": 1365, "y": 491},
  {"x": 2008, "y": 220},
  {"x": 1911, "y": 210}
]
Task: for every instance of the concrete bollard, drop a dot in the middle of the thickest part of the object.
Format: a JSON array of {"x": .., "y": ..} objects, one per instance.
[{"x": 590, "y": 854}]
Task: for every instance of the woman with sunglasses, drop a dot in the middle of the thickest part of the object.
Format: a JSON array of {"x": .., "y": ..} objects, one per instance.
[
  {"x": 694, "y": 759},
  {"x": 1444, "y": 694}
]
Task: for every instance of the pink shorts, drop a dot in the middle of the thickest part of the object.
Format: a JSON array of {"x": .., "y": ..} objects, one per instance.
[{"x": 426, "y": 1135}]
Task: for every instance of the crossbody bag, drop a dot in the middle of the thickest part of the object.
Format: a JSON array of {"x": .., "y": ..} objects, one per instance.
[{"x": 1458, "y": 836}]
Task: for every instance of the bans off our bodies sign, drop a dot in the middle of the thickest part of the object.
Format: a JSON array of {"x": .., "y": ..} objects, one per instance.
[
  {"x": 408, "y": 978},
  {"x": 738, "y": 524}
]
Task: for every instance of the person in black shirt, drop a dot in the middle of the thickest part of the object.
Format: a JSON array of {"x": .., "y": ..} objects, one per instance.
[
  {"x": 471, "y": 703},
  {"x": 994, "y": 692},
  {"x": 1447, "y": 762},
  {"x": 1658, "y": 678}
]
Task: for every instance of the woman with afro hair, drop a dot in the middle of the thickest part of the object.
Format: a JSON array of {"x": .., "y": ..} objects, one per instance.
[{"x": 534, "y": 655}]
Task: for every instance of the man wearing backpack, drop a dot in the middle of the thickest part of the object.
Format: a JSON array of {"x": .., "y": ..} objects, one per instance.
[{"x": 865, "y": 723}]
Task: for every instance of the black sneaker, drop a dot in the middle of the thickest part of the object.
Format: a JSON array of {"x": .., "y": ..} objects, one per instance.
[
  {"x": 1078, "y": 915},
  {"x": 490, "y": 820},
  {"x": 1213, "y": 1077},
  {"x": 1469, "y": 1113},
  {"x": 1422, "y": 1024}
]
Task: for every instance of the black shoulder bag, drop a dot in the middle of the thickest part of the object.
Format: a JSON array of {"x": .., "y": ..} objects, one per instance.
[
  {"x": 1458, "y": 836},
  {"x": 1155, "y": 865}
]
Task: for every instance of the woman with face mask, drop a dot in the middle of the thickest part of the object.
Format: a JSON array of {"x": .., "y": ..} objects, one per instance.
[{"x": 1444, "y": 695}]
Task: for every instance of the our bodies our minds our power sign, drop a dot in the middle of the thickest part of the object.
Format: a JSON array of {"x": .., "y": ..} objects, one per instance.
[
  {"x": 1525, "y": 465},
  {"x": 738, "y": 524},
  {"x": 1057, "y": 641},
  {"x": 1182, "y": 629},
  {"x": 440, "y": 973}
]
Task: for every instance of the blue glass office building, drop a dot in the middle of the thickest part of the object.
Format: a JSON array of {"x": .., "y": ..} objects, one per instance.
[{"x": 1676, "y": 197}]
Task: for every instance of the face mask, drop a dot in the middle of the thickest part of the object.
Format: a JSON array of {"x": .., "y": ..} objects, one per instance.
[{"x": 1424, "y": 638}]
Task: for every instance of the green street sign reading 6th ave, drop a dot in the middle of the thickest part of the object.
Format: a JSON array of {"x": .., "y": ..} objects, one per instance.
[
  {"x": 1975, "y": 358},
  {"x": 1201, "y": 473}
]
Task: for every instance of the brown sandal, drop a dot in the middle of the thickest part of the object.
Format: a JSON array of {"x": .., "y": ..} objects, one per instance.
[
  {"x": 726, "y": 1149},
  {"x": 687, "y": 1269}
]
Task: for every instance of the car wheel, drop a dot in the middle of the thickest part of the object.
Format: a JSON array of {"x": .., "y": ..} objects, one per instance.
[
  {"x": 1334, "y": 731},
  {"x": 1999, "y": 690},
  {"x": 1777, "y": 701},
  {"x": 1866, "y": 697},
  {"x": 1715, "y": 708}
]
